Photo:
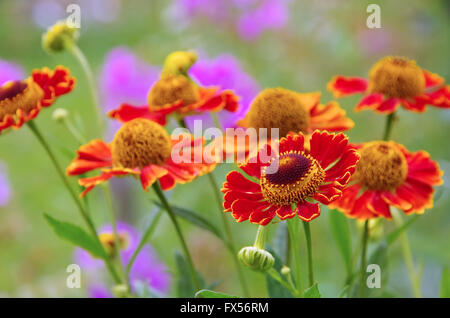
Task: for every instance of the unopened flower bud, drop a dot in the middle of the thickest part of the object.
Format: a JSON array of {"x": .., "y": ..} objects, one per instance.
[
  {"x": 121, "y": 291},
  {"x": 59, "y": 37},
  {"x": 60, "y": 114},
  {"x": 256, "y": 258},
  {"x": 285, "y": 271},
  {"x": 178, "y": 63},
  {"x": 375, "y": 228}
]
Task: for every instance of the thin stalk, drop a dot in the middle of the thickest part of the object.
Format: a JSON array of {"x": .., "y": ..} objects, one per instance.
[
  {"x": 75, "y": 132},
  {"x": 288, "y": 285},
  {"x": 116, "y": 247},
  {"x": 77, "y": 202},
  {"x": 173, "y": 218},
  {"x": 388, "y": 127},
  {"x": 293, "y": 237},
  {"x": 230, "y": 241},
  {"x": 147, "y": 234},
  {"x": 364, "y": 239},
  {"x": 407, "y": 256},
  {"x": 230, "y": 244},
  {"x": 309, "y": 250},
  {"x": 81, "y": 58}
]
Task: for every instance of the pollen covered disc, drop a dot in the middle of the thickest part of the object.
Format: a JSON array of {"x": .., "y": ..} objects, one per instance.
[
  {"x": 382, "y": 166},
  {"x": 139, "y": 143},
  {"x": 397, "y": 77},
  {"x": 171, "y": 89},
  {"x": 278, "y": 108},
  {"x": 297, "y": 177},
  {"x": 16, "y": 95}
]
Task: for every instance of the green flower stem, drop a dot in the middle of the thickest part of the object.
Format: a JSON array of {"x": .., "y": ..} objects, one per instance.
[
  {"x": 173, "y": 218},
  {"x": 81, "y": 58},
  {"x": 388, "y": 128},
  {"x": 288, "y": 285},
  {"x": 230, "y": 244},
  {"x": 116, "y": 247},
  {"x": 407, "y": 256},
  {"x": 216, "y": 120},
  {"x": 77, "y": 202},
  {"x": 74, "y": 131},
  {"x": 364, "y": 239},
  {"x": 261, "y": 237},
  {"x": 309, "y": 249},
  {"x": 293, "y": 237},
  {"x": 147, "y": 234}
]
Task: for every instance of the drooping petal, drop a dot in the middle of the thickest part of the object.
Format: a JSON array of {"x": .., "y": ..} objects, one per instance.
[
  {"x": 236, "y": 181},
  {"x": 329, "y": 117},
  {"x": 370, "y": 101},
  {"x": 90, "y": 183},
  {"x": 422, "y": 168},
  {"x": 150, "y": 174},
  {"x": 242, "y": 209},
  {"x": 96, "y": 154},
  {"x": 262, "y": 215},
  {"x": 361, "y": 209},
  {"x": 378, "y": 206},
  {"x": 342, "y": 86},
  {"x": 127, "y": 112},
  {"x": 286, "y": 212},
  {"x": 308, "y": 211}
]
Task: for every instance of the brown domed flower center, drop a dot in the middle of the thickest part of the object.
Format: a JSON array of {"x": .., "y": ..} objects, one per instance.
[
  {"x": 278, "y": 108},
  {"x": 108, "y": 241},
  {"x": 139, "y": 143},
  {"x": 382, "y": 166},
  {"x": 396, "y": 77},
  {"x": 298, "y": 176},
  {"x": 173, "y": 88},
  {"x": 16, "y": 95}
]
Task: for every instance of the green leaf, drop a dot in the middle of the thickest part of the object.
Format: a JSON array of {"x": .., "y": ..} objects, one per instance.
[
  {"x": 312, "y": 292},
  {"x": 76, "y": 235},
  {"x": 445, "y": 283},
  {"x": 341, "y": 234},
  {"x": 195, "y": 219},
  {"x": 184, "y": 282},
  {"x": 274, "y": 288},
  {"x": 392, "y": 237},
  {"x": 205, "y": 293}
]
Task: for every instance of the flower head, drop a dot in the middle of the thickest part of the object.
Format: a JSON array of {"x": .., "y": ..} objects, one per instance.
[
  {"x": 146, "y": 268},
  {"x": 389, "y": 175},
  {"x": 394, "y": 81},
  {"x": 176, "y": 93},
  {"x": 301, "y": 178},
  {"x": 21, "y": 101},
  {"x": 290, "y": 111},
  {"x": 59, "y": 37},
  {"x": 141, "y": 148}
]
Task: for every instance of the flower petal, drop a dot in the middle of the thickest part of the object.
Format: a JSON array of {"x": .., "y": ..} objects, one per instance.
[
  {"x": 127, "y": 112},
  {"x": 96, "y": 154},
  {"x": 308, "y": 211},
  {"x": 342, "y": 86}
]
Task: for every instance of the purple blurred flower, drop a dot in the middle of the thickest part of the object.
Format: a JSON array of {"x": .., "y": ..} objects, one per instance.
[
  {"x": 252, "y": 17},
  {"x": 10, "y": 72},
  {"x": 125, "y": 79},
  {"x": 5, "y": 190},
  {"x": 226, "y": 72},
  {"x": 146, "y": 268}
]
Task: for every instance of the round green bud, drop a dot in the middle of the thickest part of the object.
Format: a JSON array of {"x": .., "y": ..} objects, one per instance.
[
  {"x": 59, "y": 37},
  {"x": 256, "y": 259},
  {"x": 121, "y": 291},
  {"x": 60, "y": 114},
  {"x": 285, "y": 271}
]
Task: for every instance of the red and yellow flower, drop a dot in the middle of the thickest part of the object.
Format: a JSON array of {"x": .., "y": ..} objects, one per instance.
[
  {"x": 141, "y": 148},
  {"x": 394, "y": 81},
  {"x": 21, "y": 101},
  {"x": 302, "y": 178},
  {"x": 176, "y": 93},
  {"x": 389, "y": 175},
  {"x": 290, "y": 111}
]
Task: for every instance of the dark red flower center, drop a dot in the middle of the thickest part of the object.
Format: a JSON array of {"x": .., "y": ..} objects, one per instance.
[
  {"x": 291, "y": 168},
  {"x": 11, "y": 89}
]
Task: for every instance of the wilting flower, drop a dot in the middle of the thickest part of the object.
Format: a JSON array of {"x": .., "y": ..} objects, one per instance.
[
  {"x": 141, "y": 148},
  {"x": 389, "y": 175},
  {"x": 394, "y": 81},
  {"x": 303, "y": 177},
  {"x": 146, "y": 268},
  {"x": 293, "y": 112},
  {"x": 176, "y": 93},
  {"x": 226, "y": 72},
  {"x": 21, "y": 101}
]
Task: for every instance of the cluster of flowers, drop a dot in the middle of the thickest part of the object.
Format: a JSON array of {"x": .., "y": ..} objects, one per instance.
[{"x": 317, "y": 165}]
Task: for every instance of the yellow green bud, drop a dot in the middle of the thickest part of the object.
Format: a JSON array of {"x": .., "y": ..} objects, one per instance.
[
  {"x": 256, "y": 258},
  {"x": 178, "y": 62},
  {"x": 59, "y": 37}
]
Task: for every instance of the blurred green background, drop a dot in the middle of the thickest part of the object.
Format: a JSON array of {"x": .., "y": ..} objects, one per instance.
[{"x": 321, "y": 39}]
